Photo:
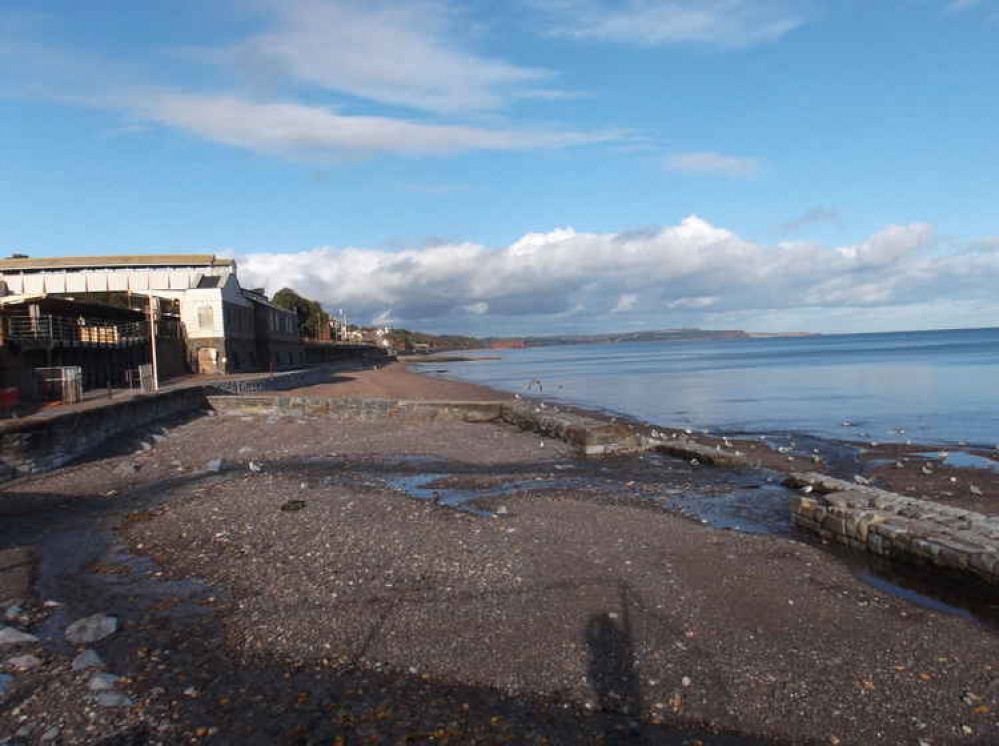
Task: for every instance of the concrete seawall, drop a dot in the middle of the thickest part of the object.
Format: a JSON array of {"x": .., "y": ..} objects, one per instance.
[
  {"x": 31, "y": 446},
  {"x": 898, "y": 527}
]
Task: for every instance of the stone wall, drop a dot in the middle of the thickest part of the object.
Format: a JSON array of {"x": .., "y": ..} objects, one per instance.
[
  {"x": 37, "y": 444},
  {"x": 898, "y": 527}
]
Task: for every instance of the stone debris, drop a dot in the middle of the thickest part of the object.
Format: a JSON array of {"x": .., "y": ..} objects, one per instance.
[
  {"x": 87, "y": 659},
  {"x": 91, "y": 629},
  {"x": 11, "y": 636},
  {"x": 51, "y": 734}
]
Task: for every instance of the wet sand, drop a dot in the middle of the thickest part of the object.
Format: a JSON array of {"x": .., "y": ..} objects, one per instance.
[{"x": 303, "y": 593}]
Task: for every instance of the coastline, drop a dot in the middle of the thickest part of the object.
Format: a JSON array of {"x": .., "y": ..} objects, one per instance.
[
  {"x": 896, "y": 467},
  {"x": 472, "y": 583}
]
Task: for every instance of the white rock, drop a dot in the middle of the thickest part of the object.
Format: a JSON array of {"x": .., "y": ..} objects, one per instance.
[
  {"x": 87, "y": 659},
  {"x": 11, "y": 636},
  {"x": 102, "y": 682},
  {"x": 113, "y": 699},
  {"x": 24, "y": 662},
  {"x": 91, "y": 629}
]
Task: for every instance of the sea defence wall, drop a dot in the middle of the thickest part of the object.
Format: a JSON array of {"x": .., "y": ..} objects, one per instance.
[
  {"x": 593, "y": 435},
  {"x": 898, "y": 527},
  {"x": 36, "y": 444}
]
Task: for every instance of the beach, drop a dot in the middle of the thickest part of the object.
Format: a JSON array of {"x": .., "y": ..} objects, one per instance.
[{"x": 302, "y": 579}]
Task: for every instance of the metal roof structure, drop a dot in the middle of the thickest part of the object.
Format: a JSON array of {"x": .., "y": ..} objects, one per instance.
[{"x": 113, "y": 262}]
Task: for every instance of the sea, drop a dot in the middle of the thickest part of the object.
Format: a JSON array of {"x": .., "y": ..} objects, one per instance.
[{"x": 930, "y": 387}]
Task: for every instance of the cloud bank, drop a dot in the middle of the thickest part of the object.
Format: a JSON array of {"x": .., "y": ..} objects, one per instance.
[
  {"x": 693, "y": 272},
  {"x": 724, "y": 23}
]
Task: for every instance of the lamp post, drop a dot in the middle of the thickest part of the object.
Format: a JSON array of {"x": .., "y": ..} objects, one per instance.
[{"x": 153, "y": 307}]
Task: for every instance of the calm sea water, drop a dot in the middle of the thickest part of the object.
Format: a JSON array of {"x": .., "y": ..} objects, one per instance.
[{"x": 940, "y": 387}]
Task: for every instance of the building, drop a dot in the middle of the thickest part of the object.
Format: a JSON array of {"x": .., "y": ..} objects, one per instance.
[
  {"x": 276, "y": 336},
  {"x": 219, "y": 321}
]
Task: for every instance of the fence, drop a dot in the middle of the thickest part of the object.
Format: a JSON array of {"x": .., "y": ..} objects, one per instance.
[
  {"x": 63, "y": 384},
  {"x": 52, "y": 330}
]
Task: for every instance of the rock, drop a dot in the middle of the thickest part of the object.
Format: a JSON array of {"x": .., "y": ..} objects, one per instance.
[
  {"x": 293, "y": 505},
  {"x": 102, "y": 682},
  {"x": 975, "y": 491},
  {"x": 146, "y": 446},
  {"x": 502, "y": 510},
  {"x": 157, "y": 438},
  {"x": 51, "y": 734},
  {"x": 214, "y": 465},
  {"x": 113, "y": 699},
  {"x": 13, "y": 613},
  {"x": 254, "y": 467},
  {"x": 11, "y": 636},
  {"x": 87, "y": 659},
  {"x": 91, "y": 629},
  {"x": 24, "y": 662},
  {"x": 5, "y": 682},
  {"x": 861, "y": 480}
]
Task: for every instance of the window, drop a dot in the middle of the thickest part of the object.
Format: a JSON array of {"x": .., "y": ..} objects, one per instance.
[{"x": 206, "y": 318}]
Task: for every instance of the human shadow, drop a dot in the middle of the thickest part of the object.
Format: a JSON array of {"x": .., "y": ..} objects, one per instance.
[{"x": 612, "y": 671}]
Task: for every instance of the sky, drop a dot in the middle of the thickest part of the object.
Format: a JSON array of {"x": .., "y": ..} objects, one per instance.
[{"x": 512, "y": 167}]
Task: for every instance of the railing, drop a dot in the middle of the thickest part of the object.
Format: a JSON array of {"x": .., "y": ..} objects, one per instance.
[{"x": 57, "y": 331}]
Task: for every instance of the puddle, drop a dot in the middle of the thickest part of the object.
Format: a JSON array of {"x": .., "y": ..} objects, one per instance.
[
  {"x": 910, "y": 595},
  {"x": 123, "y": 584},
  {"x": 841, "y": 460},
  {"x": 927, "y": 588},
  {"x": 421, "y": 487},
  {"x": 961, "y": 460},
  {"x": 759, "y": 510}
]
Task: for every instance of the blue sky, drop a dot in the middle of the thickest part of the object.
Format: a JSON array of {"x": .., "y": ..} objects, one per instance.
[{"x": 525, "y": 166}]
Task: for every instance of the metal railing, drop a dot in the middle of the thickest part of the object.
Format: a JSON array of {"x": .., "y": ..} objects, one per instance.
[{"x": 56, "y": 331}]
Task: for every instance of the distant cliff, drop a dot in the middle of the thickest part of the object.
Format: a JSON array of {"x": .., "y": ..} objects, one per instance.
[{"x": 659, "y": 335}]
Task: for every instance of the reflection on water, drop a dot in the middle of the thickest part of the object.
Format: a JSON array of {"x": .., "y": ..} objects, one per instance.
[{"x": 937, "y": 387}]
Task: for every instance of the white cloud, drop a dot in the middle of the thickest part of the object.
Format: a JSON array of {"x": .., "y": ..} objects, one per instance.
[
  {"x": 692, "y": 273},
  {"x": 406, "y": 52},
  {"x": 314, "y": 132},
  {"x": 700, "y": 302},
  {"x": 713, "y": 163},
  {"x": 626, "y": 302},
  {"x": 727, "y": 23}
]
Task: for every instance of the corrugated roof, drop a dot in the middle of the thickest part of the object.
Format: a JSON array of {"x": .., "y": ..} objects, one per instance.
[{"x": 100, "y": 262}]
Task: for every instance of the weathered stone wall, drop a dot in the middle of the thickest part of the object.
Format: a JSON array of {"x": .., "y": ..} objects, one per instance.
[
  {"x": 32, "y": 445},
  {"x": 358, "y": 409},
  {"x": 280, "y": 381},
  {"x": 898, "y": 527}
]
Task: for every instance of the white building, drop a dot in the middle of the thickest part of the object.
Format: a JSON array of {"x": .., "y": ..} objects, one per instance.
[{"x": 218, "y": 318}]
